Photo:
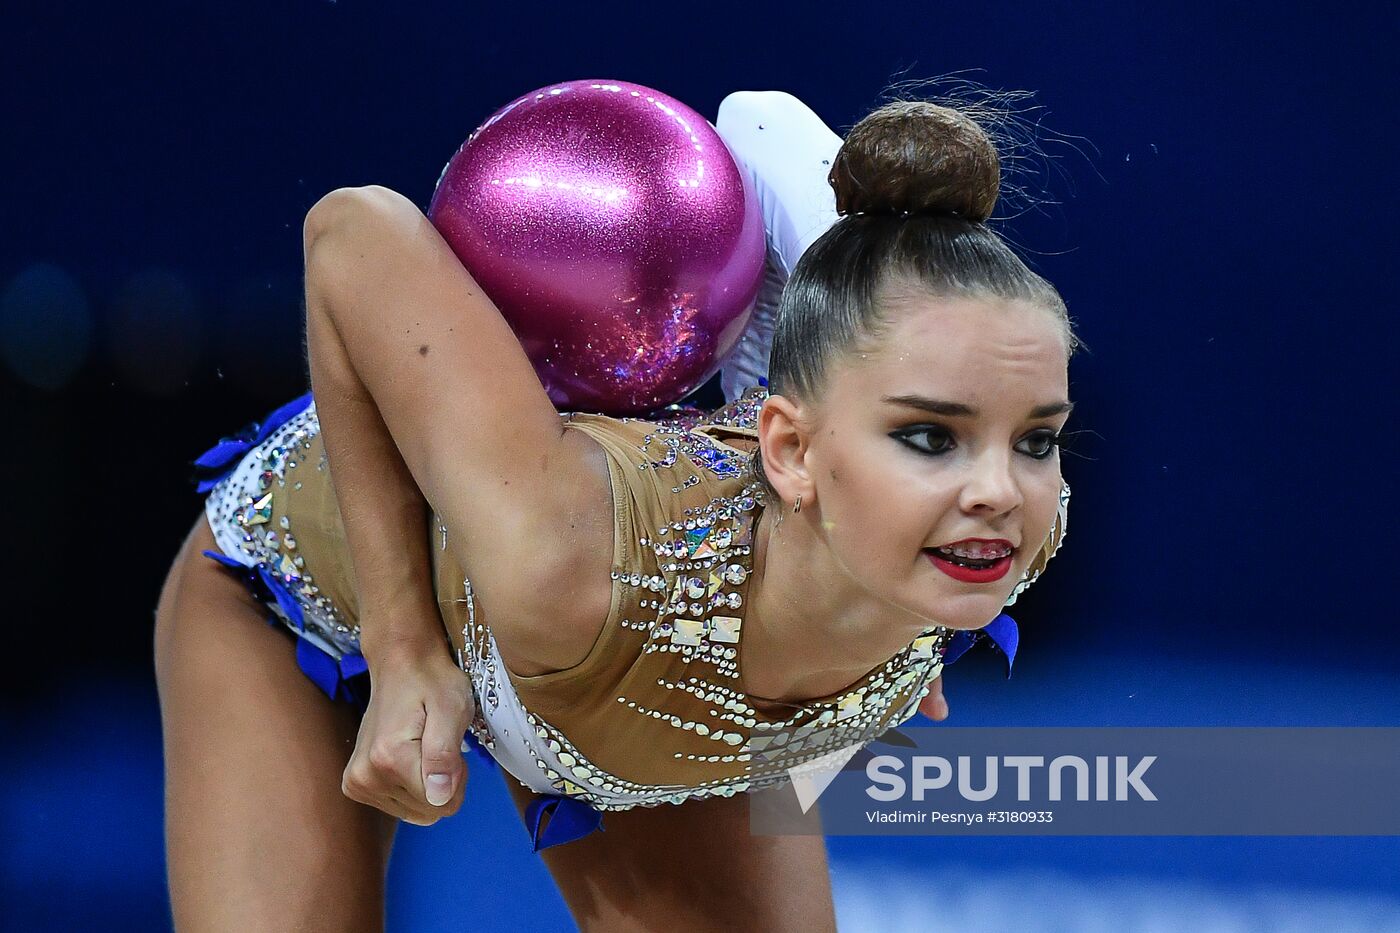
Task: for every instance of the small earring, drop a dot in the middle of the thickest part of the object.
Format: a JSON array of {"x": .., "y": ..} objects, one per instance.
[{"x": 797, "y": 506}]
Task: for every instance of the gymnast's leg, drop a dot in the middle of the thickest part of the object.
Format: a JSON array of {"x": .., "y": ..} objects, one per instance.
[
  {"x": 258, "y": 833},
  {"x": 690, "y": 867}
]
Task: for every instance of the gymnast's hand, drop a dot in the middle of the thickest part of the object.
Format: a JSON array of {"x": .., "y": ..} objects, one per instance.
[
  {"x": 934, "y": 706},
  {"x": 408, "y": 756}
]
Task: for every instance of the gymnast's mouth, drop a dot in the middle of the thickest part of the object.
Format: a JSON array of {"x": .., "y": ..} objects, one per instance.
[{"x": 974, "y": 553}]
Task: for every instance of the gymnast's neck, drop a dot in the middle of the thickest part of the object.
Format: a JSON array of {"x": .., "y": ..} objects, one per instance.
[{"x": 812, "y": 629}]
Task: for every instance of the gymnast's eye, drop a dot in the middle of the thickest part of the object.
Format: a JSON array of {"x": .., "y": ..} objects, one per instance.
[
  {"x": 938, "y": 442},
  {"x": 1040, "y": 445}
]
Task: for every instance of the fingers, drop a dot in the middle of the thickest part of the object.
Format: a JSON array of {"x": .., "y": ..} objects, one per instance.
[
  {"x": 408, "y": 760},
  {"x": 378, "y": 786},
  {"x": 413, "y": 810},
  {"x": 382, "y": 773},
  {"x": 443, "y": 772},
  {"x": 406, "y": 811},
  {"x": 934, "y": 706}
]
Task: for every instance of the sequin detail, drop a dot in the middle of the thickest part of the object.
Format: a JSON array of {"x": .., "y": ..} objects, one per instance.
[
  {"x": 681, "y": 598},
  {"x": 248, "y": 522},
  {"x": 684, "y": 607}
]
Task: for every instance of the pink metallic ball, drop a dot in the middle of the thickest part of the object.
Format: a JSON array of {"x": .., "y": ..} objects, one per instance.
[{"x": 617, "y": 235}]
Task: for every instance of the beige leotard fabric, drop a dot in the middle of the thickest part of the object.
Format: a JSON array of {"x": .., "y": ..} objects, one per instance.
[{"x": 657, "y": 711}]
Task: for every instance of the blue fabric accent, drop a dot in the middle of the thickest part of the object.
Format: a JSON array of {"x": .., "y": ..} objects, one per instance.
[
  {"x": 1005, "y": 636},
  {"x": 285, "y": 600},
  {"x": 227, "y": 561},
  {"x": 221, "y": 459},
  {"x": 346, "y": 680},
  {"x": 267, "y": 585},
  {"x": 332, "y": 676},
  {"x": 353, "y": 665},
  {"x": 570, "y": 819},
  {"x": 1002, "y": 632}
]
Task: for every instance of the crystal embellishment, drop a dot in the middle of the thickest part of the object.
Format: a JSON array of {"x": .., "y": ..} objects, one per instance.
[
  {"x": 725, "y": 629},
  {"x": 687, "y": 632},
  {"x": 260, "y": 512}
]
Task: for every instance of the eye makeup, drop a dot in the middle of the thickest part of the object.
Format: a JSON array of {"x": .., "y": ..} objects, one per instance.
[{"x": 944, "y": 441}]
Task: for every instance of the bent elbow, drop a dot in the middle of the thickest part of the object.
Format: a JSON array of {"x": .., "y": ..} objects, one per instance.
[
  {"x": 332, "y": 211},
  {"x": 347, "y": 208}
]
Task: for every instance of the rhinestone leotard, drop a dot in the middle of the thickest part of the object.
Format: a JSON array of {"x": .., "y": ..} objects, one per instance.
[{"x": 656, "y": 712}]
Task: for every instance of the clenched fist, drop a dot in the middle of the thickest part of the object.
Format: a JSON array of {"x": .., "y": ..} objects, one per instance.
[{"x": 408, "y": 755}]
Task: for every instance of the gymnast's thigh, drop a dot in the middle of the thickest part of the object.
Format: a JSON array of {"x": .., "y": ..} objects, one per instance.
[
  {"x": 690, "y": 867},
  {"x": 258, "y": 833}
]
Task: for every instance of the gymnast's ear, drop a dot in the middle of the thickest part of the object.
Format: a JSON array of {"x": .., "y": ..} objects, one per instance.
[{"x": 784, "y": 432}]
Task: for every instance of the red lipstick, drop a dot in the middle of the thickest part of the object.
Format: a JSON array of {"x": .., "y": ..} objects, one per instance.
[{"x": 971, "y": 570}]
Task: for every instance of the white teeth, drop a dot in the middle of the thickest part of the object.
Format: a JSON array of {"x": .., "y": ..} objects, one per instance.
[{"x": 978, "y": 551}]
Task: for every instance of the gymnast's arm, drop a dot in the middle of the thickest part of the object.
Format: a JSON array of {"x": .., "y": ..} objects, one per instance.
[
  {"x": 527, "y": 504},
  {"x": 418, "y": 692},
  {"x": 383, "y": 512}
]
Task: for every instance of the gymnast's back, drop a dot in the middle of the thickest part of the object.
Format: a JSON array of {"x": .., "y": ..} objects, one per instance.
[{"x": 656, "y": 710}]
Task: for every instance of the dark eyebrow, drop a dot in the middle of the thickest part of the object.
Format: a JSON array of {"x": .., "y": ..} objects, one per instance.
[{"x": 959, "y": 410}]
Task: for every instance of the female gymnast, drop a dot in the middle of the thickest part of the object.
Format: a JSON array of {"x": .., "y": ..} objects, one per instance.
[{"x": 637, "y": 613}]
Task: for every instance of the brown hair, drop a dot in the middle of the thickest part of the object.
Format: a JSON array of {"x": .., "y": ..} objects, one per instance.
[{"x": 916, "y": 182}]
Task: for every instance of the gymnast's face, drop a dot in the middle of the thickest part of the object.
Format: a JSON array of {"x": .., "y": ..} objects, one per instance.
[{"x": 900, "y": 486}]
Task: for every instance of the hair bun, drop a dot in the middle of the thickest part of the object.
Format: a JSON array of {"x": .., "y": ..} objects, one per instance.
[{"x": 917, "y": 157}]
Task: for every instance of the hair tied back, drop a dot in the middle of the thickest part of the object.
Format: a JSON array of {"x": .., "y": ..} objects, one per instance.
[{"x": 915, "y": 158}]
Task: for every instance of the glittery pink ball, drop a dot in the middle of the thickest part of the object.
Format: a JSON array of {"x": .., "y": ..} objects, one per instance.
[{"x": 617, "y": 235}]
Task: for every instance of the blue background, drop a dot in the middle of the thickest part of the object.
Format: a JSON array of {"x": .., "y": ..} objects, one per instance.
[{"x": 1223, "y": 238}]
